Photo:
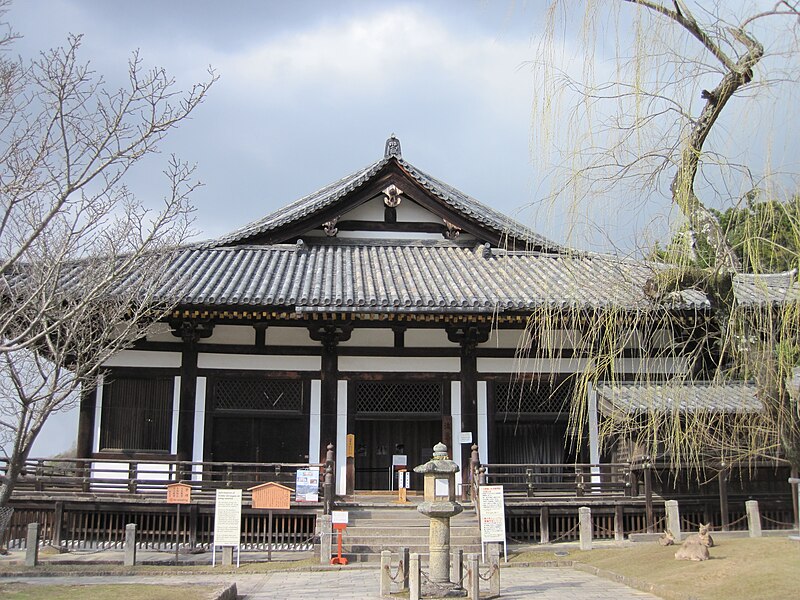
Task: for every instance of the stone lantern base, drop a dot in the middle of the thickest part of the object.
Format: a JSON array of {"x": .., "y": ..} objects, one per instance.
[{"x": 442, "y": 590}]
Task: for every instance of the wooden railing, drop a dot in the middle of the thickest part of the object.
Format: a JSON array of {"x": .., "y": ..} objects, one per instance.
[
  {"x": 64, "y": 478},
  {"x": 557, "y": 480}
]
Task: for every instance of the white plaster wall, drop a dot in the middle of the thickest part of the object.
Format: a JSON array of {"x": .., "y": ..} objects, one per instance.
[
  {"x": 427, "y": 338},
  {"x": 531, "y": 365},
  {"x": 176, "y": 406},
  {"x": 161, "y": 332},
  {"x": 341, "y": 437},
  {"x": 557, "y": 339},
  {"x": 483, "y": 423},
  {"x": 371, "y": 210},
  {"x": 455, "y": 412},
  {"x": 289, "y": 336},
  {"x": 199, "y": 425},
  {"x": 507, "y": 338},
  {"x": 144, "y": 358},
  {"x": 211, "y": 360},
  {"x": 98, "y": 414},
  {"x": 231, "y": 334},
  {"x": 667, "y": 365},
  {"x": 400, "y": 364},
  {"x": 314, "y": 422},
  {"x": 377, "y": 338}
]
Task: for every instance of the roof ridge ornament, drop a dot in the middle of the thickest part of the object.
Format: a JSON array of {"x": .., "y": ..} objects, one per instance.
[{"x": 392, "y": 147}]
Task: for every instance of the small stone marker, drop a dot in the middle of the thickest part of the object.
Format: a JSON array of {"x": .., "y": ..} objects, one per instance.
[
  {"x": 673, "y": 519},
  {"x": 585, "y": 527},
  {"x": 32, "y": 545},
  {"x": 753, "y": 518},
  {"x": 130, "y": 545}
]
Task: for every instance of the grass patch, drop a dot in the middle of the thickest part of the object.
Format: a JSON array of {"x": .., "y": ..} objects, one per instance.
[
  {"x": 760, "y": 568},
  {"x": 30, "y": 591},
  {"x": 121, "y": 570}
]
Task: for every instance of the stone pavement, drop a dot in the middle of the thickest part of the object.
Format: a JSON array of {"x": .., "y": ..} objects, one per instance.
[{"x": 353, "y": 583}]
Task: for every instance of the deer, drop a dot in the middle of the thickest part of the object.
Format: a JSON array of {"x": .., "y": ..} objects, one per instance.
[
  {"x": 666, "y": 538},
  {"x": 703, "y": 536}
]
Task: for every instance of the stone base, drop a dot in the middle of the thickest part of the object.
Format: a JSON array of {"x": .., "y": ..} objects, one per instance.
[{"x": 442, "y": 590}]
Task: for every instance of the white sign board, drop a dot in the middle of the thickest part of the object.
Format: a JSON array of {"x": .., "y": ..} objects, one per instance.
[
  {"x": 399, "y": 460},
  {"x": 466, "y": 437},
  {"x": 493, "y": 514},
  {"x": 339, "y": 517},
  {"x": 403, "y": 480},
  {"x": 307, "y": 485},
  {"x": 228, "y": 518}
]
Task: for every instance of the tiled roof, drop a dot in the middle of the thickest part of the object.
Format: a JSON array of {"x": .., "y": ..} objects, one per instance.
[
  {"x": 689, "y": 397},
  {"x": 766, "y": 288},
  {"x": 403, "y": 277},
  {"x": 330, "y": 194}
]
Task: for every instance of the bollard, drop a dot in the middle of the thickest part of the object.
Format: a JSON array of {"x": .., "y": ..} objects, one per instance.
[
  {"x": 325, "y": 539},
  {"x": 585, "y": 527},
  {"x": 404, "y": 560},
  {"x": 414, "y": 580},
  {"x": 673, "y": 519},
  {"x": 386, "y": 573},
  {"x": 129, "y": 559},
  {"x": 32, "y": 545},
  {"x": 494, "y": 562},
  {"x": 457, "y": 567},
  {"x": 473, "y": 577},
  {"x": 753, "y": 518}
]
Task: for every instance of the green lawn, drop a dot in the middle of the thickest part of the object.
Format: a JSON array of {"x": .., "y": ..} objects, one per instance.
[
  {"x": 26, "y": 591},
  {"x": 761, "y": 568}
]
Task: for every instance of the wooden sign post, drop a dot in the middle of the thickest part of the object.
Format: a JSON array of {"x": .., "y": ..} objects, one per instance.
[
  {"x": 177, "y": 494},
  {"x": 272, "y": 496}
]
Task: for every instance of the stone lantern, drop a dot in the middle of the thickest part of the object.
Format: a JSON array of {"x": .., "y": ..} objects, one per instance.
[{"x": 439, "y": 505}]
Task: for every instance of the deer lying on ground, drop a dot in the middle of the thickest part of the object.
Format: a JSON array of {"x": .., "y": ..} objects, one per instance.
[
  {"x": 696, "y": 545},
  {"x": 703, "y": 536},
  {"x": 666, "y": 538}
]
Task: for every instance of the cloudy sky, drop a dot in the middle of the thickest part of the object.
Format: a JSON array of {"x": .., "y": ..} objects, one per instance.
[{"x": 309, "y": 91}]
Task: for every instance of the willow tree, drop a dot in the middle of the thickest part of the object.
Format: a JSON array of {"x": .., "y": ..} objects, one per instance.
[{"x": 670, "y": 98}]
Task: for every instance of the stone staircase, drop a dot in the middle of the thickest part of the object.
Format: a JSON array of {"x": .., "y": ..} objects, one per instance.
[{"x": 377, "y": 526}]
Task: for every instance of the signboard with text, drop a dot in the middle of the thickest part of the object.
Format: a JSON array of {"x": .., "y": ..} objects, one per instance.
[
  {"x": 493, "y": 514},
  {"x": 228, "y": 518},
  {"x": 307, "y": 485}
]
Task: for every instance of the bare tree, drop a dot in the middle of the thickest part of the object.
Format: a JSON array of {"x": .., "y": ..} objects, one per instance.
[
  {"x": 653, "y": 127},
  {"x": 80, "y": 257}
]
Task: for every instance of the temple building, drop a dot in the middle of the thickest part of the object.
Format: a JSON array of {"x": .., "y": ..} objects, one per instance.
[{"x": 394, "y": 308}]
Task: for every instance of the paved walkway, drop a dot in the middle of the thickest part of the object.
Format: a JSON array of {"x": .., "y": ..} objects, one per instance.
[{"x": 362, "y": 584}]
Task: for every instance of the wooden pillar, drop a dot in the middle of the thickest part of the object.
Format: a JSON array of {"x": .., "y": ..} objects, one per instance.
[
  {"x": 723, "y": 498},
  {"x": 648, "y": 494},
  {"x": 191, "y": 332},
  {"x": 329, "y": 334},
  {"x": 468, "y": 336},
  {"x": 86, "y": 417}
]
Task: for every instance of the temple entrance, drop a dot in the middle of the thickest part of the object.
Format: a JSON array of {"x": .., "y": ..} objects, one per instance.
[
  {"x": 394, "y": 419},
  {"x": 379, "y": 441}
]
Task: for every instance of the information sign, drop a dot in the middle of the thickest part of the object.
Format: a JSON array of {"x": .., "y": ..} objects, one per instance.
[
  {"x": 179, "y": 493},
  {"x": 466, "y": 437},
  {"x": 339, "y": 517},
  {"x": 228, "y": 518},
  {"x": 493, "y": 514},
  {"x": 307, "y": 485}
]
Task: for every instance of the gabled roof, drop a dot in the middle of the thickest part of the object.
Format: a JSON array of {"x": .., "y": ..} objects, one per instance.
[{"x": 342, "y": 195}]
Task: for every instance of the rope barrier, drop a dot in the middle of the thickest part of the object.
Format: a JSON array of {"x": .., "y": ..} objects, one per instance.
[
  {"x": 787, "y": 524},
  {"x": 644, "y": 529},
  {"x": 397, "y": 576},
  {"x": 737, "y": 521},
  {"x": 493, "y": 569},
  {"x": 565, "y": 534}
]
